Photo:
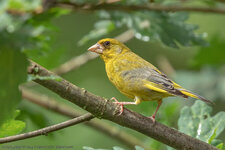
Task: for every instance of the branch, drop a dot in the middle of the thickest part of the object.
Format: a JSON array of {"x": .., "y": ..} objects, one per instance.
[
  {"x": 105, "y": 109},
  {"x": 68, "y": 111},
  {"x": 105, "y": 6},
  {"x": 45, "y": 131}
]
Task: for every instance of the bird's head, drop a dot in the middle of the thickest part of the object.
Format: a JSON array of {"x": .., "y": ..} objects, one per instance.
[{"x": 108, "y": 48}]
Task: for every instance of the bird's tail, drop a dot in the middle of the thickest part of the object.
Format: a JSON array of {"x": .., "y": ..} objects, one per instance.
[{"x": 194, "y": 95}]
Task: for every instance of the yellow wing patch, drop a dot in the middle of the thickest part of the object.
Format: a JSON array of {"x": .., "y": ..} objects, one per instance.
[
  {"x": 153, "y": 86},
  {"x": 176, "y": 85},
  {"x": 189, "y": 94}
]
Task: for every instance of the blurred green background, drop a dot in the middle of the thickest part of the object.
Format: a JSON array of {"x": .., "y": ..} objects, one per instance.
[{"x": 195, "y": 68}]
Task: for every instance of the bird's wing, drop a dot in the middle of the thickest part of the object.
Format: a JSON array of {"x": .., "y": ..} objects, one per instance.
[
  {"x": 154, "y": 80},
  {"x": 145, "y": 73},
  {"x": 158, "y": 81}
]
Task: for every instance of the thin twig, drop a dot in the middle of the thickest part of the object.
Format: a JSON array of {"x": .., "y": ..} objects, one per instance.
[
  {"x": 105, "y": 109},
  {"x": 45, "y": 131},
  {"x": 75, "y": 63},
  {"x": 68, "y": 111},
  {"x": 105, "y": 6}
]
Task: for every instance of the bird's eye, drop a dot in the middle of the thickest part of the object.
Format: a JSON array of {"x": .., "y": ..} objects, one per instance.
[{"x": 106, "y": 43}]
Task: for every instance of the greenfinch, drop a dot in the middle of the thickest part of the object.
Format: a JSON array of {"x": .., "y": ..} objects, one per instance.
[{"x": 135, "y": 77}]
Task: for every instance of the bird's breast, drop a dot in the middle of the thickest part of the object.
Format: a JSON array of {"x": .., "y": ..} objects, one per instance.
[{"x": 114, "y": 71}]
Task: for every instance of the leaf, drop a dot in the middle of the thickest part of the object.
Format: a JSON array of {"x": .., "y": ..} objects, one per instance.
[
  {"x": 220, "y": 146},
  {"x": 169, "y": 28},
  {"x": 197, "y": 122},
  {"x": 24, "y": 5},
  {"x": 13, "y": 66},
  {"x": 27, "y": 32},
  {"x": 217, "y": 143},
  {"x": 12, "y": 127}
]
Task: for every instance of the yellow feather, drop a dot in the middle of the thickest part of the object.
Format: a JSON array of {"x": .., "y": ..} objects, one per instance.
[
  {"x": 189, "y": 94},
  {"x": 176, "y": 85},
  {"x": 153, "y": 86}
]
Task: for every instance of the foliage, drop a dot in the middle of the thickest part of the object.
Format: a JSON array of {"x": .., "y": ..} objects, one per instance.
[
  {"x": 197, "y": 122},
  {"x": 12, "y": 126},
  {"x": 12, "y": 75},
  {"x": 149, "y": 26},
  {"x": 23, "y": 33},
  {"x": 27, "y": 30}
]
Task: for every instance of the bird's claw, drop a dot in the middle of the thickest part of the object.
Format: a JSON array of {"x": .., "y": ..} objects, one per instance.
[
  {"x": 117, "y": 102},
  {"x": 152, "y": 118}
]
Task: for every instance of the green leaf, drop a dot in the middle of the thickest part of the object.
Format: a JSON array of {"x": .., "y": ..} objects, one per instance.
[
  {"x": 197, "y": 122},
  {"x": 212, "y": 137},
  {"x": 220, "y": 146},
  {"x": 24, "y": 5},
  {"x": 217, "y": 142},
  {"x": 28, "y": 32},
  {"x": 13, "y": 66},
  {"x": 12, "y": 127},
  {"x": 169, "y": 28}
]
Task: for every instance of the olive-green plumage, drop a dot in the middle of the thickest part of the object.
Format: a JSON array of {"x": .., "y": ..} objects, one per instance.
[{"x": 135, "y": 77}]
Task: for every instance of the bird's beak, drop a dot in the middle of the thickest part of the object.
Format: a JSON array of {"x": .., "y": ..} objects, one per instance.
[{"x": 97, "y": 48}]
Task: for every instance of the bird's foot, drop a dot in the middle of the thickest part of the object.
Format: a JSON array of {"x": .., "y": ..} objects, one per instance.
[
  {"x": 152, "y": 118},
  {"x": 120, "y": 103}
]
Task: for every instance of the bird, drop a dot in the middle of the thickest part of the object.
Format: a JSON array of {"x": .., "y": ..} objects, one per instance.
[{"x": 135, "y": 77}]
